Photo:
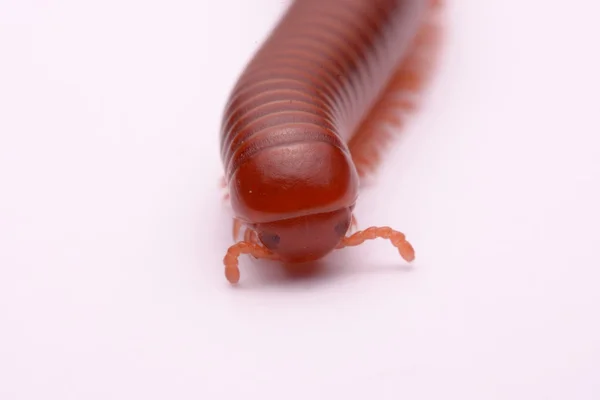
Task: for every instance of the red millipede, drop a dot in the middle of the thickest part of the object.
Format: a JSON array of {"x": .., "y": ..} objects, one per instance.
[{"x": 311, "y": 115}]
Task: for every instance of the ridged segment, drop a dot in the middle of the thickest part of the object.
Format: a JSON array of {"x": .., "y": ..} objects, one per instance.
[{"x": 317, "y": 75}]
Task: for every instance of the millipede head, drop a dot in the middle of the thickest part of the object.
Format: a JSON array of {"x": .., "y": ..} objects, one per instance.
[{"x": 307, "y": 238}]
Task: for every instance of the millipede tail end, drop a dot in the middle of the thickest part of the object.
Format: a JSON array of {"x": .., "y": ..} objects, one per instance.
[{"x": 398, "y": 240}]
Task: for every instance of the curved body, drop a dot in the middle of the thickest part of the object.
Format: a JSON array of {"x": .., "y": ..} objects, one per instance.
[{"x": 286, "y": 128}]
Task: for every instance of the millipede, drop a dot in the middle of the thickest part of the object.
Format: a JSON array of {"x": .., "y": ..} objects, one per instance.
[{"x": 311, "y": 116}]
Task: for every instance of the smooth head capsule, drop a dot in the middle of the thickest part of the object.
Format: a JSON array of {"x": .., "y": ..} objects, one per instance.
[
  {"x": 306, "y": 238},
  {"x": 297, "y": 197}
]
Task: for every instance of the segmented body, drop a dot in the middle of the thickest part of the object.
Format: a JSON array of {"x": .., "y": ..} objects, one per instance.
[
  {"x": 321, "y": 70},
  {"x": 303, "y": 121}
]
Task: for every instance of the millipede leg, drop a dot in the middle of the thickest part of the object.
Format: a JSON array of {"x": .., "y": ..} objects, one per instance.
[
  {"x": 353, "y": 224},
  {"x": 223, "y": 186},
  {"x": 237, "y": 227},
  {"x": 397, "y": 238},
  {"x": 250, "y": 236}
]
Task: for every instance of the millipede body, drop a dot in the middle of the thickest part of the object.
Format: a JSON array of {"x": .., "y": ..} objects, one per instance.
[{"x": 308, "y": 117}]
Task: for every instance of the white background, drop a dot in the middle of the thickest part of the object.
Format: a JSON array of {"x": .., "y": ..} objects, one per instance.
[{"x": 112, "y": 229}]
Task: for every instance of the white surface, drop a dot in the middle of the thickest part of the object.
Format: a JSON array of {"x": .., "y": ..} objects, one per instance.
[{"x": 112, "y": 230}]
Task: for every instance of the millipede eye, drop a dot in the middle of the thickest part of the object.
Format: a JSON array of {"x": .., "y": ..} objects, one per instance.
[
  {"x": 270, "y": 240},
  {"x": 342, "y": 228}
]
